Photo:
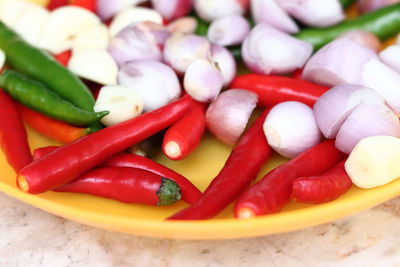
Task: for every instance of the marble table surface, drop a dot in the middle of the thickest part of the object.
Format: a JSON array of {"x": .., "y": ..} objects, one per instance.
[{"x": 32, "y": 237}]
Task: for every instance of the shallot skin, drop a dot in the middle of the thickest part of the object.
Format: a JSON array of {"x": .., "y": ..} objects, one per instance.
[
  {"x": 228, "y": 115},
  {"x": 220, "y": 31},
  {"x": 290, "y": 128},
  {"x": 154, "y": 81},
  {"x": 180, "y": 50},
  {"x": 269, "y": 51}
]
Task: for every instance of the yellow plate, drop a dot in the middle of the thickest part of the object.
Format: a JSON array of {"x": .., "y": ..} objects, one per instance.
[{"x": 200, "y": 167}]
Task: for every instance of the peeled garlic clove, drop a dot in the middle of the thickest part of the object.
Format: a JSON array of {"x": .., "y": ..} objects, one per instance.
[
  {"x": 122, "y": 103},
  {"x": 374, "y": 161},
  {"x": 95, "y": 37},
  {"x": 31, "y": 24},
  {"x": 95, "y": 65},
  {"x": 64, "y": 24},
  {"x": 11, "y": 11}
]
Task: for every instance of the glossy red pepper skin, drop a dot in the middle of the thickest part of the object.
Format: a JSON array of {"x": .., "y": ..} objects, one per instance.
[
  {"x": 13, "y": 137},
  {"x": 322, "y": 188},
  {"x": 63, "y": 58},
  {"x": 190, "y": 193},
  {"x": 42, "y": 151},
  {"x": 273, "y": 191},
  {"x": 71, "y": 160},
  {"x": 53, "y": 4},
  {"x": 87, "y": 4},
  {"x": 272, "y": 89},
  {"x": 241, "y": 167},
  {"x": 184, "y": 136},
  {"x": 128, "y": 185}
]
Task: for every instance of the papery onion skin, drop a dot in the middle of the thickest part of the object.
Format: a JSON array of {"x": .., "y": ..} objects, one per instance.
[
  {"x": 228, "y": 115},
  {"x": 340, "y": 61},
  {"x": 203, "y": 80},
  {"x": 269, "y": 51},
  {"x": 315, "y": 13},
  {"x": 364, "y": 38},
  {"x": 290, "y": 128},
  {"x": 180, "y": 50},
  {"x": 384, "y": 80},
  {"x": 270, "y": 12},
  {"x": 228, "y": 30},
  {"x": 332, "y": 108},
  {"x": 105, "y": 9},
  {"x": 172, "y": 9},
  {"x": 133, "y": 15},
  {"x": 133, "y": 43},
  {"x": 210, "y": 10},
  {"x": 391, "y": 57},
  {"x": 154, "y": 81},
  {"x": 365, "y": 121},
  {"x": 226, "y": 62}
]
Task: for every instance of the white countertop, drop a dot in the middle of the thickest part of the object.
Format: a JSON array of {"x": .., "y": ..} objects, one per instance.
[{"x": 31, "y": 237}]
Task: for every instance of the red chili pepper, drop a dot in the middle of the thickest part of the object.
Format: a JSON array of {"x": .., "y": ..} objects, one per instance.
[
  {"x": 71, "y": 160},
  {"x": 241, "y": 167},
  {"x": 297, "y": 74},
  {"x": 184, "y": 136},
  {"x": 42, "y": 151},
  {"x": 190, "y": 193},
  {"x": 88, "y": 4},
  {"x": 52, "y": 128},
  {"x": 275, "y": 89},
  {"x": 273, "y": 191},
  {"x": 53, "y": 4},
  {"x": 13, "y": 137},
  {"x": 128, "y": 185},
  {"x": 322, "y": 188},
  {"x": 63, "y": 58}
]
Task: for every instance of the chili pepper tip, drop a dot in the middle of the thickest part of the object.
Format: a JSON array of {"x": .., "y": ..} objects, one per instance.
[
  {"x": 22, "y": 183},
  {"x": 172, "y": 150},
  {"x": 245, "y": 213}
]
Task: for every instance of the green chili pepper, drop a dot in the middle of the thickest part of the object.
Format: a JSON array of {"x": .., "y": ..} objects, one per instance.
[
  {"x": 384, "y": 23},
  {"x": 38, "y": 97},
  {"x": 42, "y": 67},
  {"x": 346, "y": 3}
]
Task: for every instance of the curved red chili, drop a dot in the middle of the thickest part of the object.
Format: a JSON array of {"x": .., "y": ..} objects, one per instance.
[
  {"x": 128, "y": 185},
  {"x": 71, "y": 160},
  {"x": 13, "y": 137},
  {"x": 241, "y": 167},
  {"x": 184, "y": 136},
  {"x": 190, "y": 193},
  {"x": 272, "y": 192},
  {"x": 322, "y": 188},
  {"x": 272, "y": 89}
]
